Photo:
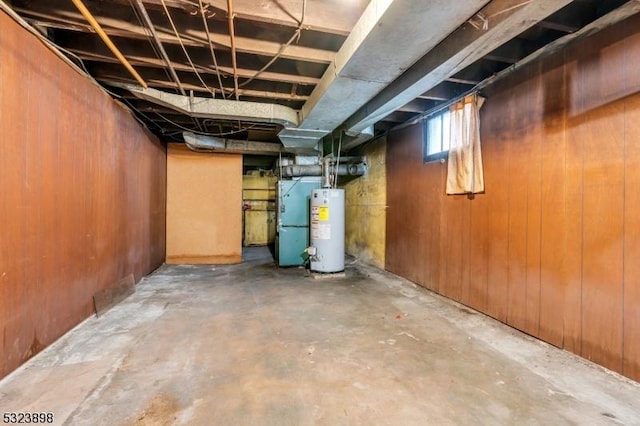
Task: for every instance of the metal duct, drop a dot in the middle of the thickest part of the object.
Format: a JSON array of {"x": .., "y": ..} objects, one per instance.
[
  {"x": 201, "y": 143},
  {"x": 220, "y": 109},
  {"x": 354, "y": 169},
  {"x": 369, "y": 60}
]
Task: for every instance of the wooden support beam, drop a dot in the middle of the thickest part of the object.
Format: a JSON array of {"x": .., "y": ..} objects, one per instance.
[
  {"x": 158, "y": 83},
  {"x": 445, "y": 91},
  {"x": 145, "y": 61},
  {"x": 512, "y": 51},
  {"x": 558, "y": 26},
  {"x": 399, "y": 117},
  {"x": 460, "y": 49},
  {"x": 418, "y": 105},
  {"x": 321, "y": 15},
  {"x": 121, "y": 26}
]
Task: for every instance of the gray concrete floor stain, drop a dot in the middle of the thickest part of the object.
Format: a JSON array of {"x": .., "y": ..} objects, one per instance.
[{"x": 252, "y": 344}]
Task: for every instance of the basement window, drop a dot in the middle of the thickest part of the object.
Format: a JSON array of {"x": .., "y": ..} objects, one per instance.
[{"x": 436, "y": 136}]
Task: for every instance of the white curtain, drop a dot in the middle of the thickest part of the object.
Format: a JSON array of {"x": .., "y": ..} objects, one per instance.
[{"x": 464, "y": 174}]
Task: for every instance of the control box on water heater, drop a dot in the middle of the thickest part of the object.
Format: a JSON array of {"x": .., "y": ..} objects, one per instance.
[{"x": 327, "y": 230}]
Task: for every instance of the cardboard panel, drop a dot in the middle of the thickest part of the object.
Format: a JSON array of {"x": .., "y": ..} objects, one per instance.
[{"x": 204, "y": 207}]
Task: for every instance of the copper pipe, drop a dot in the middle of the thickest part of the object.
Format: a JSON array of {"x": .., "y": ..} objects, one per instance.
[
  {"x": 96, "y": 26},
  {"x": 233, "y": 48}
]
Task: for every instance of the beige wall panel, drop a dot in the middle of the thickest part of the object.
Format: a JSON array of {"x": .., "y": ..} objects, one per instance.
[
  {"x": 204, "y": 207},
  {"x": 365, "y": 208}
]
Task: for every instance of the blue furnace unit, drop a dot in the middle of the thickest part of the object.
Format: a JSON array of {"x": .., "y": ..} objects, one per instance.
[{"x": 292, "y": 214}]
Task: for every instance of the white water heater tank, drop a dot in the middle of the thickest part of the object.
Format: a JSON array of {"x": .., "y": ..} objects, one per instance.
[{"x": 327, "y": 230}]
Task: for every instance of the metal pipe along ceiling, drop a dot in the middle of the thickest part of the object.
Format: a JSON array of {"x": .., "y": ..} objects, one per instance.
[
  {"x": 105, "y": 38},
  {"x": 357, "y": 169}
]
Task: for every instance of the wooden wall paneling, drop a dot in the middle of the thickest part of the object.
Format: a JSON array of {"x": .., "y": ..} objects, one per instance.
[
  {"x": 142, "y": 197},
  {"x": 465, "y": 255},
  {"x": 109, "y": 225},
  {"x": 442, "y": 218},
  {"x": 533, "y": 163},
  {"x": 405, "y": 214},
  {"x": 60, "y": 176},
  {"x": 478, "y": 247},
  {"x": 495, "y": 122},
  {"x": 153, "y": 154},
  {"x": 158, "y": 181},
  {"x": 602, "y": 251},
  {"x": 563, "y": 177},
  {"x": 94, "y": 197},
  {"x": 432, "y": 189},
  {"x": 65, "y": 178},
  {"x": 139, "y": 195},
  {"x": 445, "y": 241},
  {"x": 632, "y": 56},
  {"x": 48, "y": 205},
  {"x": 454, "y": 217},
  {"x": 554, "y": 219},
  {"x": 35, "y": 231},
  {"x": 574, "y": 224},
  {"x": 420, "y": 210},
  {"x": 631, "y": 291},
  {"x": 132, "y": 201},
  {"x": 119, "y": 196},
  {"x": 518, "y": 169},
  {"x": 14, "y": 203}
]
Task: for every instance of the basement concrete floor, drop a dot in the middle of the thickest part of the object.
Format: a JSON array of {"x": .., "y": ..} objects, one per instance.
[{"x": 251, "y": 344}]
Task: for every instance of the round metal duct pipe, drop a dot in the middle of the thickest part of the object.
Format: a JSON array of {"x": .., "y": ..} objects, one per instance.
[{"x": 355, "y": 169}]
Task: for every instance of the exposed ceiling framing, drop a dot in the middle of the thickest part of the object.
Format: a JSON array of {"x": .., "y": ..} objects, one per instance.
[{"x": 298, "y": 46}]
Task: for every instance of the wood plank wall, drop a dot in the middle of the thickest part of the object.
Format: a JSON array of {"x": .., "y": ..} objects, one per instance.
[
  {"x": 553, "y": 246},
  {"x": 82, "y": 196}
]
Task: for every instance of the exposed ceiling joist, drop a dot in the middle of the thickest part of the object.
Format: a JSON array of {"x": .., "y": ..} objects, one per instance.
[
  {"x": 169, "y": 84},
  {"x": 462, "y": 48},
  {"x": 401, "y": 57},
  {"x": 119, "y": 27},
  {"x": 369, "y": 59},
  {"x": 157, "y": 63},
  {"x": 418, "y": 105},
  {"x": 557, "y": 26},
  {"x": 320, "y": 15}
]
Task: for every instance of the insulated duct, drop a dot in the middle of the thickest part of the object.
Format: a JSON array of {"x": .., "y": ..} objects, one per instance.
[
  {"x": 368, "y": 61},
  {"x": 200, "y": 143},
  {"x": 350, "y": 169},
  {"x": 220, "y": 109}
]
